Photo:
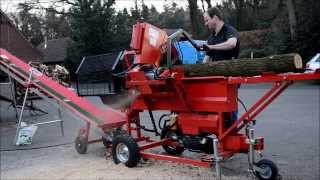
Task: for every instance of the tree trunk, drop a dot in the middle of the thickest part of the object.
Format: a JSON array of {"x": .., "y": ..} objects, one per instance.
[
  {"x": 239, "y": 8},
  {"x": 209, "y": 3},
  {"x": 202, "y": 3},
  {"x": 193, "y": 8},
  {"x": 246, "y": 67},
  {"x": 292, "y": 19}
]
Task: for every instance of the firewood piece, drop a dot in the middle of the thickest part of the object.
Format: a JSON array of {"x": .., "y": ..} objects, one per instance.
[{"x": 246, "y": 67}]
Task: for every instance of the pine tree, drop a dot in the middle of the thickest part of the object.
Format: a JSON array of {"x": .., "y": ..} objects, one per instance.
[{"x": 92, "y": 29}]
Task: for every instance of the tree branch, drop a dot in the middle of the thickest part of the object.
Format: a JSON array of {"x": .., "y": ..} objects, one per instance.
[{"x": 209, "y": 3}]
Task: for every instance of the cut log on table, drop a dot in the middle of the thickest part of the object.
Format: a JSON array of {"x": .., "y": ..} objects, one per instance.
[{"x": 246, "y": 67}]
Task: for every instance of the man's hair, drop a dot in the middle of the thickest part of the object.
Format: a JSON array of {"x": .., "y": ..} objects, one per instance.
[{"x": 214, "y": 11}]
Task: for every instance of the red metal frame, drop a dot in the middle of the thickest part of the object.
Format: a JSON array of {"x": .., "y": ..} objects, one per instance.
[
  {"x": 202, "y": 104},
  {"x": 176, "y": 97},
  {"x": 176, "y": 159},
  {"x": 262, "y": 103}
]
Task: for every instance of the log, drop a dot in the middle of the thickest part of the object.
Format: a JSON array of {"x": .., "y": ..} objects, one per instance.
[{"x": 246, "y": 66}]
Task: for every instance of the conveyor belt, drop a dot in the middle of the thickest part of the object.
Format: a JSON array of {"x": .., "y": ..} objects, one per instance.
[{"x": 20, "y": 71}]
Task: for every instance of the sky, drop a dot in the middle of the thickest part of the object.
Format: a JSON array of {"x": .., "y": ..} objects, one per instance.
[{"x": 9, "y": 6}]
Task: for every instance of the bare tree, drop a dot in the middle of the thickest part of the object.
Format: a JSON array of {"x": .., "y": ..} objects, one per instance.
[
  {"x": 194, "y": 14},
  {"x": 292, "y": 18},
  {"x": 203, "y": 6},
  {"x": 209, "y": 3},
  {"x": 239, "y": 6}
]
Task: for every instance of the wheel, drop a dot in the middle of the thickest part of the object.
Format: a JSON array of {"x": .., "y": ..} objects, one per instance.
[
  {"x": 170, "y": 149},
  {"x": 270, "y": 170},
  {"x": 81, "y": 144},
  {"x": 125, "y": 150},
  {"x": 106, "y": 142},
  {"x": 117, "y": 132}
]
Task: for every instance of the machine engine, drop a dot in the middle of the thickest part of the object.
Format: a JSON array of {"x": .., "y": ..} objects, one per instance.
[
  {"x": 198, "y": 143},
  {"x": 188, "y": 136}
]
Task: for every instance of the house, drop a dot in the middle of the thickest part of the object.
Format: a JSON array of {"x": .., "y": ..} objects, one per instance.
[
  {"x": 12, "y": 40},
  {"x": 54, "y": 51}
]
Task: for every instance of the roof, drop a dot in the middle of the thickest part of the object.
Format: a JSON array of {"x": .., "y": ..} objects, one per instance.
[
  {"x": 15, "y": 47},
  {"x": 5, "y": 18},
  {"x": 55, "y": 50}
]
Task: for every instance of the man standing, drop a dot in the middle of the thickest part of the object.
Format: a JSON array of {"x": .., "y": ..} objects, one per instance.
[{"x": 223, "y": 42}]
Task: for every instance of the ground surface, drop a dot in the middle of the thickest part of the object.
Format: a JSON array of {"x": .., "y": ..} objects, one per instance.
[{"x": 290, "y": 127}]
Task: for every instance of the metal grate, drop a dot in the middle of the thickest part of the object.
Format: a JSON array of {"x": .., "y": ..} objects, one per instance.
[{"x": 95, "y": 75}]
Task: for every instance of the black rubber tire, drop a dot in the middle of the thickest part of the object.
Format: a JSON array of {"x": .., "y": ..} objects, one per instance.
[
  {"x": 81, "y": 144},
  {"x": 119, "y": 132},
  {"x": 133, "y": 148},
  {"x": 169, "y": 149},
  {"x": 107, "y": 143},
  {"x": 273, "y": 170}
]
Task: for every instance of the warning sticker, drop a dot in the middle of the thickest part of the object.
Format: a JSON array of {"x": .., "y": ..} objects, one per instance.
[{"x": 153, "y": 36}]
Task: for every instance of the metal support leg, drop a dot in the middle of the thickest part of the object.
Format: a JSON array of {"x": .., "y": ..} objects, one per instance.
[
  {"x": 251, "y": 155},
  {"x": 13, "y": 94},
  {"x": 61, "y": 121},
  {"x": 87, "y": 131},
  {"x": 216, "y": 158},
  {"x": 23, "y": 106}
]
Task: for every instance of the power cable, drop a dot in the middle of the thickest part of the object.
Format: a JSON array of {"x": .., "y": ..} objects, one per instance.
[
  {"x": 41, "y": 147},
  {"x": 243, "y": 105}
]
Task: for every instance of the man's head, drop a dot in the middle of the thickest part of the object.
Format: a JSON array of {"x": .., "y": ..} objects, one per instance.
[{"x": 212, "y": 18}]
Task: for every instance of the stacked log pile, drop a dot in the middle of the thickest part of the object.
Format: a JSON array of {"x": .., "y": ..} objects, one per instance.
[{"x": 246, "y": 67}]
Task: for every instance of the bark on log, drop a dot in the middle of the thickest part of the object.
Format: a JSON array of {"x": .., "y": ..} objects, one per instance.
[{"x": 246, "y": 67}]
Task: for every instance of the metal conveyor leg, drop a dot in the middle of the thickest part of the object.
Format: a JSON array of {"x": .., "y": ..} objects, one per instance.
[
  {"x": 251, "y": 154},
  {"x": 216, "y": 158},
  {"x": 60, "y": 118},
  {"x": 23, "y": 106}
]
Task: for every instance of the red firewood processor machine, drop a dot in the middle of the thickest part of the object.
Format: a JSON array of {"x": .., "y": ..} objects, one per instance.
[
  {"x": 198, "y": 121},
  {"x": 201, "y": 107}
]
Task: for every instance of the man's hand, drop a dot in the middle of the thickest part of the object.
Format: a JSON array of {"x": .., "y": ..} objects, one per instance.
[
  {"x": 205, "y": 47},
  {"x": 227, "y": 45}
]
